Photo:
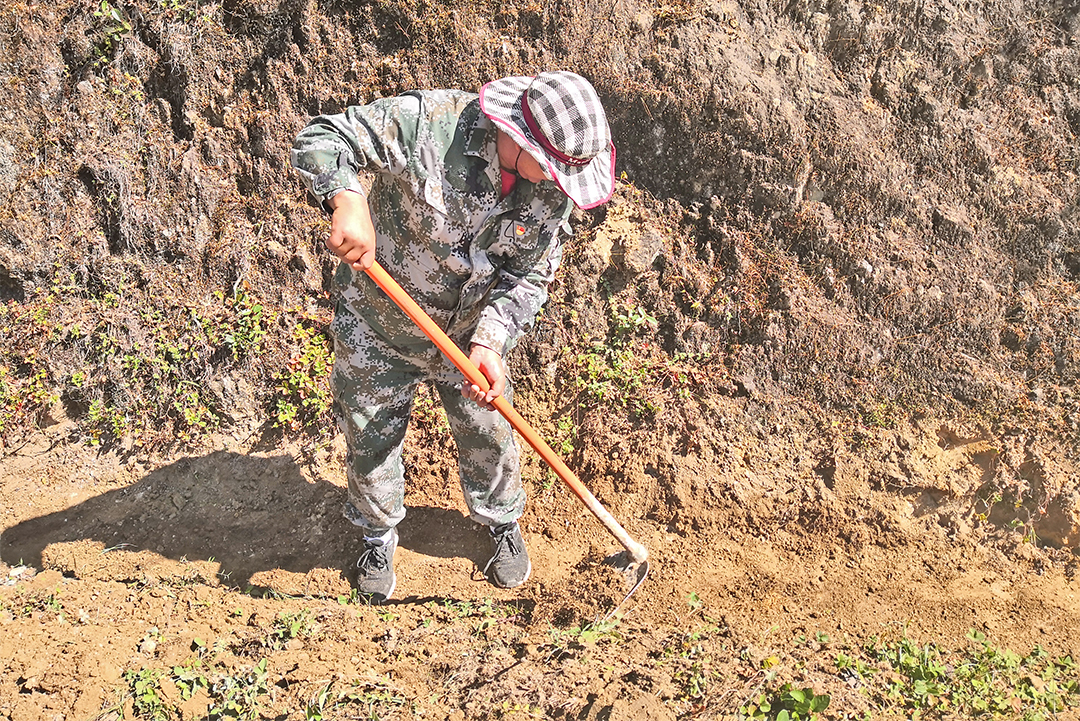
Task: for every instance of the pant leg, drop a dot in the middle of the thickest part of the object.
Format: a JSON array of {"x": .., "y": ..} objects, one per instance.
[
  {"x": 373, "y": 385},
  {"x": 488, "y": 462}
]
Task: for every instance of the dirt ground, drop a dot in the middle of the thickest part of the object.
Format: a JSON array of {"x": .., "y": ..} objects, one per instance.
[
  {"x": 819, "y": 355},
  {"x": 138, "y": 562}
]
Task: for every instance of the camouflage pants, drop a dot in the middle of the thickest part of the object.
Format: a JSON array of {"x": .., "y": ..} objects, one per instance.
[{"x": 374, "y": 381}]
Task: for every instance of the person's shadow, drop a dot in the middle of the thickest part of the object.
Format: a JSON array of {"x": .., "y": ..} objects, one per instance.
[{"x": 249, "y": 514}]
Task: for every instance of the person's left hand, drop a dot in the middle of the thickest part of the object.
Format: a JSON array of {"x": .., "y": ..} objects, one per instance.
[{"x": 491, "y": 365}]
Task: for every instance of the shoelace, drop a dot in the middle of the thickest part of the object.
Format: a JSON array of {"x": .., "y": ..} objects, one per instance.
[
  {"x": 504, "y": 543},
  {"x": 374, "y": 558}
]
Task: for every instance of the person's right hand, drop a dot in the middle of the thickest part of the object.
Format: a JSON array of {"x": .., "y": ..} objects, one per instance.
[{"x": 352, "y": 235}]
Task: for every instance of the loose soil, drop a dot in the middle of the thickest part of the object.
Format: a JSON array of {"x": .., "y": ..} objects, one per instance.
[{"x": 818, "y": 355}]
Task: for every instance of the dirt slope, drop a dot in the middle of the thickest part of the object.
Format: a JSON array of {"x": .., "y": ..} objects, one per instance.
[{"x": 819, "y": 355}]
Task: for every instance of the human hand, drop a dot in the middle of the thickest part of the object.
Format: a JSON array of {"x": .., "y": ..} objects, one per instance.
[
  {"x": 352, "y": 234},
  {"x": 491, "y": 365}
]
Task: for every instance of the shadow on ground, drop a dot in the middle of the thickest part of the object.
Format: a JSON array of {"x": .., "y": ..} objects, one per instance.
[{"x": 249, "y": 514}]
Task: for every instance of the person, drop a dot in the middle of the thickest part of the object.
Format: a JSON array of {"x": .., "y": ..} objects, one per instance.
[{"x": 470, "y": 195}]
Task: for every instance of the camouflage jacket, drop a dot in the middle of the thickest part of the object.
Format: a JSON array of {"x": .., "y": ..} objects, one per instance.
[{"x": 480, "y": 266}]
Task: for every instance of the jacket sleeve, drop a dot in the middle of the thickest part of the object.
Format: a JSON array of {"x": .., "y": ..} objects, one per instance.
[
  {"x": 332, "y": 150},
  {"x": 522, "y": 288}
]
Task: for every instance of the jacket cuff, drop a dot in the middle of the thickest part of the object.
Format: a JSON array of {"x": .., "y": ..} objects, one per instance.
[
  {"x": 326, "y": 188},
  {"x": 492, "y": 334}
]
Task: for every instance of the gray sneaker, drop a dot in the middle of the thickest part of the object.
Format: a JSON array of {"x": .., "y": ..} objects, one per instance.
[
  {"x": 376, "y": 580},
  {"x": 509, "y": 567}
]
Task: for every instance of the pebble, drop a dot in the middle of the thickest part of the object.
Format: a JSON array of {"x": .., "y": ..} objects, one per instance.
[{"x": 19, "y": 573}]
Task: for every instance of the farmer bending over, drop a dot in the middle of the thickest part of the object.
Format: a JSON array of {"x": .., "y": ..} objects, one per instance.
[{"x": 469, "y": 195}]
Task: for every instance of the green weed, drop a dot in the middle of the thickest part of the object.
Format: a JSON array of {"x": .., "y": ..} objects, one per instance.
[
  {"x": 195, "y": 415},
  {"x": 374, "y": 699},
  {"x": 183, "y": 10},
  {"x": 627, "y": 320},
  {"x": 852, "y": 667},
  {"x": 617, "y": 376},
  {"x": 566, "y": 435},
  {"x": 628, "y": 370},
  {"x": 245, "y": 336},
  {"x": 386, "y": 615},
  {"x": 288, "y": 626},
  {"x": 24, "y": 394},
  {"x": 692, "y": 663},
  {"x": 980, "y": 680},
  {"x": 190, "y": 677},
  {"x": 563, "y": 643},
  {"x": 616, "y": 371},
  {"x": 787, "y": 703},
  {"x": 127, "y": 361},
  {"x": 113, "y": 25},
  {"x": 485, "y": 614},
  {"x": 28, "y": 604},
  {"x": 316, "y": 709},
  {"x": 145, "y": 689},
  {"x": 237, "y": 696},
  {"x": 302, "y": 388},
  {"x": 520, "y": 710}
]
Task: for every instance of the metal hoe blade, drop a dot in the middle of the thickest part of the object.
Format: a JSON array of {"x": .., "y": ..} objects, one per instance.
[{"x": 633, "y": 572}]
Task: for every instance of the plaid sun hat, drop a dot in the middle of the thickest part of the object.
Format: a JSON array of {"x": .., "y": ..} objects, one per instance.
[{"x": 557, "y": 118}]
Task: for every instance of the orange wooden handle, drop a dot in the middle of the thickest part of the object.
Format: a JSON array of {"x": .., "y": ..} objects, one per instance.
[{"x": 474, "y": 376}]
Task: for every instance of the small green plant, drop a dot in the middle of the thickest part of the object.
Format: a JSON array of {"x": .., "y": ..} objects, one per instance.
[
  {"x": 980, "y": 680},
  {"x": 375, "y": 699},
  {"x": 113, "y": 26},
  {"x": 184, "y": 10},
  {"x": 316, "y": 709},
  {"x": 568, "y": 642},
  {"x": 303, "y": 390},
  {"x": 880, "y": 415},
  {"x": 146, "y": 694},
  {"x": 28, "y": 604},
  {"x": 617, "y": 376},
  {"x": 288, "y": 626},
  {"x": 386, "y": 615},
  {"x": 487, "y": 613},
  {"x": 852, "y": 667},
  {"x": 194, "y": 412},
  {"x": 566, "y": 433},
  {"x": 245, "y": 337},
  {"x": 105, "y": 422},
  {"x": 24, "y": 395},
  {"x": 629, "y": 319},
  {"x": 428, "y": 411},
  {"x": 517, "y": 709},
  {"x": 190, "y": 677},
  {"x": 690, "y": 659},
  {"x": 786, "y": 703},
  {"x": 352, "y": 597},
  {"x": 491, "y": 613},
  {"x": 622, "y": 370},
  {"x": 237, "y": 696}
]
